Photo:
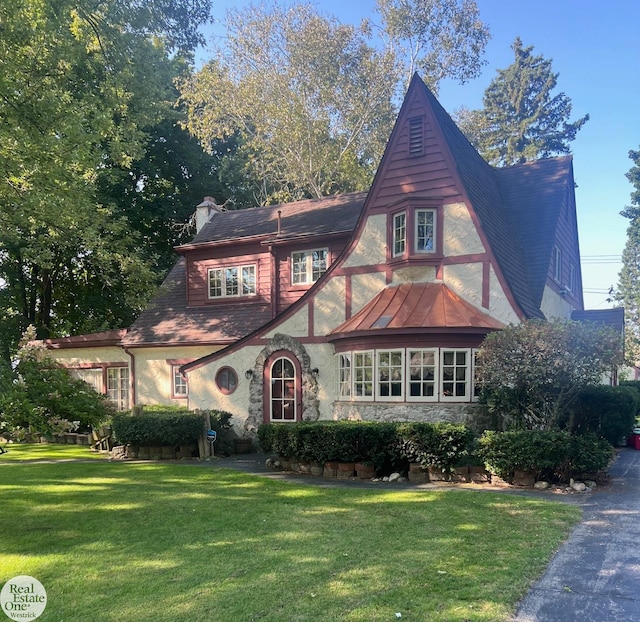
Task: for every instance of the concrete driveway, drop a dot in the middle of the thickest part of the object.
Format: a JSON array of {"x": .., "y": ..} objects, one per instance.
[{"x": 595, "y": 576}]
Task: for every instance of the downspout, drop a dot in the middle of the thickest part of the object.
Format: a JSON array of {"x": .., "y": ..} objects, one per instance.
[{"x": 132, "y": 378}]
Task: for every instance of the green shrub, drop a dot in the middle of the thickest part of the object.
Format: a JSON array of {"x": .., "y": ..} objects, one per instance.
[
  {"x": 158, "y": 428},
  {"x": 548, "y": 454},
  {"x": 605, "y": 411},
  {"x": 220, "y": 421}
]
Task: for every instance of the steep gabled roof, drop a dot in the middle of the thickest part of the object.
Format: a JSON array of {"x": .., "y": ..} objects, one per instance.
[{"x": 416, "y": 306}]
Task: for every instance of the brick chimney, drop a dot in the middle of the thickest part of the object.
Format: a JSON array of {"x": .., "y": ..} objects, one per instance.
[{"x": 205, "y": 211}]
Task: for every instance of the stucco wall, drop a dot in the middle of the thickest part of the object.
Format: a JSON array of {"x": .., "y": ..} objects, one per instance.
[
  {"x": 555, "y": 306},
  {"x": 371, "y": 247},
  {"x": 460, "y": 234},
  {"x": 153, "y": 373},
  {"x": 78, "y": 356}
]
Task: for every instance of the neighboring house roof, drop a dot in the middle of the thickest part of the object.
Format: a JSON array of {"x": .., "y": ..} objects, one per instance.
[
  {"x": 311, "y": 217},
  {"x": 607, "y": 317},
  {"x": 101, "y": 339},
  {"x": 411, "y": 306},
  {"x": 496, "y": 196}
]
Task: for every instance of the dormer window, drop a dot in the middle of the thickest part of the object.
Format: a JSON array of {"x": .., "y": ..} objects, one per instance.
[
  {"x": 232, "y": 282},
  {"x": 308, "y": 266}
]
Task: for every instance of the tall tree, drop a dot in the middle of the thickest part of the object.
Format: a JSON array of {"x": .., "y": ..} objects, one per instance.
[
  {"x": 80, "y": 85},
  {"x": 312, "y": 100},
  {"x": 522, "y": 119},
  {"x": 628, "y": 290},
  {"x": 439, "y": 38}
]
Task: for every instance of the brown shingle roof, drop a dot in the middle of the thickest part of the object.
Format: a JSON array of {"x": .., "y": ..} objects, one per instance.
[
  {"x": 310, "y": 217},
  {"x": 421, "y": 306},
  {"x": 104, "y": 338}
]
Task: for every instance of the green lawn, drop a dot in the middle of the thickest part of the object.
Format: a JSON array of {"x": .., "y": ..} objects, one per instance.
[{"x": 114, "y": 541}]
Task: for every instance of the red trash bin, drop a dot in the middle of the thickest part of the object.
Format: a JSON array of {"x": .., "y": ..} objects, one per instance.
[{"x": 636, "y": 441}]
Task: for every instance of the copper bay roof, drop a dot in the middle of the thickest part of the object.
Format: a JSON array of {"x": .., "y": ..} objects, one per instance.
[{"x": 416, "y": 306}]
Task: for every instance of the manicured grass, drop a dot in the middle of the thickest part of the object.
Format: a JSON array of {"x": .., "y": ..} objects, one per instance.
[
  {"x": 18, "y": 452},
  {"x": 176, "y": 542}
]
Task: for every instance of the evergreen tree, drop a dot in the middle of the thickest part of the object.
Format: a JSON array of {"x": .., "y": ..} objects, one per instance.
[
  {"x": 522, "y": 120},
  {"x": 628, "y": 291}
]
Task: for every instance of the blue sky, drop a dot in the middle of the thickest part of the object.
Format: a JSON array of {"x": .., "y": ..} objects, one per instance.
[{"x": 594, "y": 47}]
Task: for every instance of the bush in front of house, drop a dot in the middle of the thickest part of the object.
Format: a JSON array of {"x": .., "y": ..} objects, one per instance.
[
  {"x": 607, "y": 411},
  {"x": 387, "y": 446},
  {"x": 547, "y": 454},
  {"x": 158, "y": 426}
]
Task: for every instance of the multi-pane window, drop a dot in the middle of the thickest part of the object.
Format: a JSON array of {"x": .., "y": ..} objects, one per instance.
[
  {"x": 363, "y": 375},
  {"x": 557, "y": 264},
  {"x": 283, "y": 385},
  {"x": 231, "y": 282},
  {"x": 399, "y": 234},
  {"x": 179, "y": 387},
  {"x": 389, "y": 373},
  {"x": 308, "y": 266},
  {"x": 411, "y": 375},
  {"x": 118, "y": 386},
  {"x": 425, "y": 240},
  {"x": 344, "y": 375},
  {"x": 454, "y": 374},
  {"x": 423, "y": 368},
  {"x": 227, "y": 380}
]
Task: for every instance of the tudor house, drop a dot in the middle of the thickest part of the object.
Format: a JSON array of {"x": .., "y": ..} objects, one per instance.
[{"x": 365, "y": 306}]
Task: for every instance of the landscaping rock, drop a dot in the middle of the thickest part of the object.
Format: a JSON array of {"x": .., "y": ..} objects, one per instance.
[
  {"x": 579, "y": 486},
  {"x": 541, "y": 485},
  {"x": 394, "y": 477}
]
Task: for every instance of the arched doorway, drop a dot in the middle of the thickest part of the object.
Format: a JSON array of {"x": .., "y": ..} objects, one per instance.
[{"x": 283, "y": 397}]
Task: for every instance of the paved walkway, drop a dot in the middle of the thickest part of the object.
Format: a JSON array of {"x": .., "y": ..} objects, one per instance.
[{"x": 595, "y": 576}]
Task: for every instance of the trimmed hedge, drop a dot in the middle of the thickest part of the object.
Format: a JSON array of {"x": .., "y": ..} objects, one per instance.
[
  {"x": 548, "y": 454},
  {"x": 158, "y": 427},
  {"x": 386, "y": 446}
]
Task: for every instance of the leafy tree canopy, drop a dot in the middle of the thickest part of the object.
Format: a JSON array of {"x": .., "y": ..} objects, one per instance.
[
  {"x": 312, "y": 100},
  {"x": 80, "y": 85},
  {"x": 531, "y": 373},
  {"x": 522, "y": 119},
  {"x": 628, "y": 290}
]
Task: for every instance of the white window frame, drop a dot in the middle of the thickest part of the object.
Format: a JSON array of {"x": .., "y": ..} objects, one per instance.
[
  {"x": 572, "y": 278},
  {"x": 416, "y": 226},
  {"x": 395, "y": 374},
  {"x": 344, "y": 376},
  {"x": 475, "y": 395},
  {"x": 234, "y": 281},
  {"x": 363, "y": 375},
  {"x": 315, "y": 263},
  {"x": 468, "y": 379},
  {"x": 399, "y": 237},
  {"x": 557, "y": 264},
  {"x": 118, "y": 387},
  {"x": 179, "y": 384},
  {"x": 409, "y": 380}
]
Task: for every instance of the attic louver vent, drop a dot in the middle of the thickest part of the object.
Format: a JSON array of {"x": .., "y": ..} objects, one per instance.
[{"x": 416, "y": 137}]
